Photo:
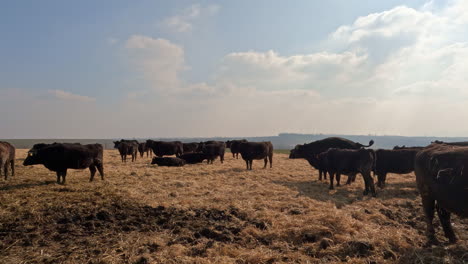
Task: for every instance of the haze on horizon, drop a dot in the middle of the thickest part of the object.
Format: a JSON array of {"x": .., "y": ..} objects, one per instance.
[{"x": 138, "y": 69}]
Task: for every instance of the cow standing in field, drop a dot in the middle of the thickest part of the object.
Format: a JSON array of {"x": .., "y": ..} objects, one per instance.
[
  {"x": 7, "y": 158},
  {"x": 212, "y": 150},
  {"x": 350, "y": 162},
  {"x": 190, "y": 147},
  {"x": 256, "y": 150},
  {"x": 143, "y": 148},
  {"x": 166, "y": 148},
  {"x": 127, "y": 147},
  {"x": 311, "y": 151},
  {"x": 442, "y": 180},
  {"x": 234, "y": 146},
  {"x": 59, "y": 157},
  {"x": 398, "y": 161}
]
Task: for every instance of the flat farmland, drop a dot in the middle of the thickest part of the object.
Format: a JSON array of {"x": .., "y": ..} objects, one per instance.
[{"x": 219, "y": 213}]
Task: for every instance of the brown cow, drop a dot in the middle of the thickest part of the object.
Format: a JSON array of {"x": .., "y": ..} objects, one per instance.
[{"x": 7, "y": 158}]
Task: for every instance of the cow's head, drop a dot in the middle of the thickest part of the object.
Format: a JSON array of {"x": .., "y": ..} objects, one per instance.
[
  {"x": 228, "y": 144},
  {"x": 201, "y": 147},
  {"x": 116, "y": 144},
  {"x": 295, "y": 152},
  {"x": 32, "y": 158}
]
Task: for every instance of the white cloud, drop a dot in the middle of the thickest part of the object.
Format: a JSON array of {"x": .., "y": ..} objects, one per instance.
[
  {"x": 63, "y": 95},
  {"x": 184, "y": 22}
]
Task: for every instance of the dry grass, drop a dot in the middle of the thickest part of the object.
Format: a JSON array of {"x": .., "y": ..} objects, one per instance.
[{"x": 217, "y": 213}]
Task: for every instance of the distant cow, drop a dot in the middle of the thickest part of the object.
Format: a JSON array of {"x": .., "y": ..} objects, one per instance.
[
  {"x": 7, "y": 158},
  {"x": 405, "y": 147},
  {"x": 59, "y": 157},
  {"x": 143, "y": 148},
  {"x": 168, "y": 161},
  {"x": 166, "y": 148},
  {"x": 190, "y": 147},
  {"x": 255, "y": 151},
  {"x": 398, "y": 161},
  {"x": 234, "y": 146},
  {"x": 212, "y": 150},
  {"x": 350, "y": 162},
  {"x": 442, "y": 180},
  {"x": 460, "y": 143},
  {"x": 311, "y": 150},
  {"x": 193, "y": 158},
  {"x": 127, "y": 147}
]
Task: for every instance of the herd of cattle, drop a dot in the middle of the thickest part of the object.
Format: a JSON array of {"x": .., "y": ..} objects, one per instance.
[{"x": 439, "y": 167}]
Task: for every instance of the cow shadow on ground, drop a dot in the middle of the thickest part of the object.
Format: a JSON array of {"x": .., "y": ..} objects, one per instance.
[
  {"x": 231, "y": 170},
  {"x": 25, "y": 185},
  {"x": 348, "y": 194}
]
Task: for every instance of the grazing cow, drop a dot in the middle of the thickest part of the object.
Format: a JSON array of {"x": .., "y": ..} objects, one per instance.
[
  {"x": 190, "y": 147},
  {"x": 212, "y": 150},
  {"x": 234, "y": 146},
  {"x": 59, "y": 157},
  {"x": 127, "y": 147},
  {"x": 398, "y": 161},
  {"x": 168, "y": 161},
  {"x": 442, "y": 181},
  {"x": 256, "y": 150},
  {"x": 311, "y": 150},
  {"x": 350, "y": 162},
  {"x": 7, "y": 158},
  {"x": 166, "y": 148},
  {"x": 193, "y": 158},
  {"x": 142, "y": 148}
]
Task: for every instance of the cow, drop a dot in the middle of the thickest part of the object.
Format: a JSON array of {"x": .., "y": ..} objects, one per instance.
[
  {"x": 256, "y": 150},
  {"x": 234, "y": 146},
  {"x": 212, "y": 150},
  {"x": 59, "y": 157},
  {"x": 127, "y": 147},
  {"x": 7, "y": 158},
  {"x": 193, "y": 158},
  {"x": 405, "y": 147},
  {"x": 442, "y": 181},
  {"x": 460, "y": 143},
  {"x": 398, "y": 161},
  {"x": 350, "y": 162},
  {"x": 142, "y": 148},
  {"x": 168, "y": 161},
  {"x": 311, "y": 150},
  {"x": 166, "y": 148},
  {"x": 190, "y": 147}
]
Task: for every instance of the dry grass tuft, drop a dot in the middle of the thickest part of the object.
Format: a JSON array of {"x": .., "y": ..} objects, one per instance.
[{"x": 217, "y": 213}]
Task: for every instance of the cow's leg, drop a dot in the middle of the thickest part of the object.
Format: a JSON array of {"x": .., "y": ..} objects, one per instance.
[
  {"x": 64, "y": 175},
  {"x": 100, "y": 168},
  {"x": 332, "y": 177},
  {"x": 366, "y": 185},
  {"x": 350, "y": 178},
  {"x": 428, "y": 207},
  {"x": 270, "y": 157},
  {"x": 233, "y": 155},
  {"x": 266, "y": 162},
  {"x": 444, "y": 217},
  {"x": 247, "y": 163},
  {"x": 320, "y": 175},
  {"x": 58, "y": 176},
  {"x": 221, "y": 157},
  {"x": 338, "y": 179},
  {"x": 250, "y": 163},
  {"x": 369, "y": 183},
  {"x": 324, "y": 174},
  {"x": 12, "y": 164},
  {"x": 92, "y": 169},
  {"x": 381, "y": 177},
  {"x": 5, "y": 169}
]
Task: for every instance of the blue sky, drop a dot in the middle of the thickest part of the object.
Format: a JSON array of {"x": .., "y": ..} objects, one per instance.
[{"x": 232, "y": 68}]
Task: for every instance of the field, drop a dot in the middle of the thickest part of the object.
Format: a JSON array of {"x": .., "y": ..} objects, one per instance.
[{"x": 217, "y": 213}]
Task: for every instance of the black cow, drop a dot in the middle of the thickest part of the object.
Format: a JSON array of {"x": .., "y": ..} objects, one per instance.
[
  {"x": 234, "y": 146},
  {"x": 256, "y": 150},
  {"x": 142, "y": 148},
  {"x": 405, "y": 147},
  {"x": 166, "y": 148},
  {"x": 460, "y": 143},
  {"x": 193, "y": 158},
  {"x": 7, "y": 158},
  {"x": 168, "y": 161},
  {"x": 442, "y": 180},
  {"x": 212, "y": 150},
  {"x": 311, "y": 150},
  {"x": 59, "y": 157},
  {"x": 350, "y": 162},
  {"x": 398, "y": 161},
  {"x": 127, "y": 147},
  {"x": 190, "y": 147}
]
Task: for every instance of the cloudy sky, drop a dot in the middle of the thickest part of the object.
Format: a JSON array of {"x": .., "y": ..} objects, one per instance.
[{"x": 149, "y": 68}]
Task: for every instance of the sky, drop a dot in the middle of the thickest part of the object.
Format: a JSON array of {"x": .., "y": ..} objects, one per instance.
[{"x": 153, "y": 68}]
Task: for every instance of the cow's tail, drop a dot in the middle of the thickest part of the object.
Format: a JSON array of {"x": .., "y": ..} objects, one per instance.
[{"x": 371, "y": 142}]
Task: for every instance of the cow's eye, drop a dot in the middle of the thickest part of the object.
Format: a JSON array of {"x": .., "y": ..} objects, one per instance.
[{"x": 30, "y": 154}]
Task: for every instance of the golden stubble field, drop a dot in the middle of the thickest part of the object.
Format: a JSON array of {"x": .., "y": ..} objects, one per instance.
[{"x": 217, "y": 213}]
